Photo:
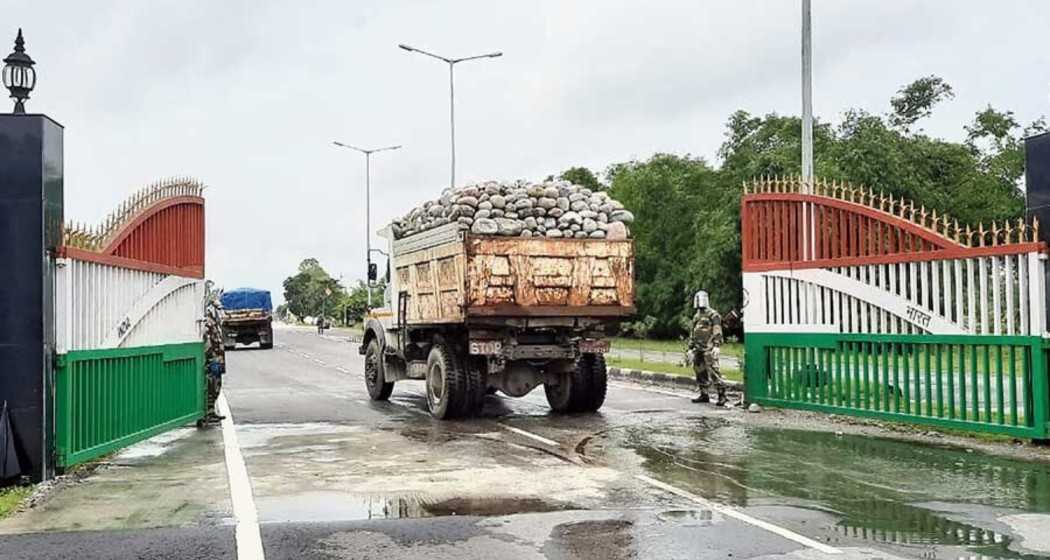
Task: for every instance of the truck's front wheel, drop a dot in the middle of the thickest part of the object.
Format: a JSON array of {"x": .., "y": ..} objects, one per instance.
[
  {"x": 447, "y": 389},
  {"x": 378, "y": 388}
]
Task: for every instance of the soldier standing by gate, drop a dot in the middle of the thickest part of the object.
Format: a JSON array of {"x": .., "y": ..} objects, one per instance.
[
  {"x": 214, "y": 354},
  {"x": 705, "y": 341}
]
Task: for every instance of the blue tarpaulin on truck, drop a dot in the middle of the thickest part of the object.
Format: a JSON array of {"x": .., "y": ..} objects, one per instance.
[{"x": 246, "y": 298}]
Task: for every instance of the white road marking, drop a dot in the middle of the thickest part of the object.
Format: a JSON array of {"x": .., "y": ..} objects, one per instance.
[
  {"x": 249, "y": 541},
  {"x": 740, "y": 516},
  {"x": 530, "y": 435}
]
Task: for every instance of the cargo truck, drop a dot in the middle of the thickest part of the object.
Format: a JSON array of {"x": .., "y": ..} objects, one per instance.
[
  {"x": 247, "y": 317},
  {"x": 473, "y": 314}
]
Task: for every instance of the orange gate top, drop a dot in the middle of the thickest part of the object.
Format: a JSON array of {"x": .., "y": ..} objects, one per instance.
[
  {"x": 791, "y": 223},
  {"x": 160, "y": 228}
]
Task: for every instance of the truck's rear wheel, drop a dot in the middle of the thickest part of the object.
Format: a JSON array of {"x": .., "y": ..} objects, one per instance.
[
  {"x": 378, "y": 388},
  {"x": 476, "y": 389},
  {"x": 598, "y": 381},
  {"x": 581, "y": 390},
  {"x": 448, "y": 389}
]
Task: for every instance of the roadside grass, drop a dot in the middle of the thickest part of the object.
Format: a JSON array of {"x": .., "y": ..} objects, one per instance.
[
  {"x": 734, "y": 349},
  {"x": 731, "y": 374},
  {"x": 11, "y": 497}
]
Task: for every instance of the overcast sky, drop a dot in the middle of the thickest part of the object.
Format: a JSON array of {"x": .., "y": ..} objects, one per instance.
[{"x": 247, "y": 96}]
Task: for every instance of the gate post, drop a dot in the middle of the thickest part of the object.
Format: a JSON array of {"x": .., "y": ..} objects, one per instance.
[{"x": 31, "y": 217}]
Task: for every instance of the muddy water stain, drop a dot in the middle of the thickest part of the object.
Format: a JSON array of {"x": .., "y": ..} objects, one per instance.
[
  {"x": 335, "y": 506},
  {"x": 492, "y": 506},
  {"x": 873, "y": 486},
  {"x": 609, "y": 539}
]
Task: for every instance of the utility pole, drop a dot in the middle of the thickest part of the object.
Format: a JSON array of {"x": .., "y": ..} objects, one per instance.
[
  {"x": 368, "y": 209},
  {"x": 807, "y": 98},
  {"x": 452, "y": 62}
]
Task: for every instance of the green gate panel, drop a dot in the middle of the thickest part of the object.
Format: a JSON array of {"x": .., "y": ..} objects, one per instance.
[
  {"x": 109, "y": 399},
  {"x": 990, "y": 384}
]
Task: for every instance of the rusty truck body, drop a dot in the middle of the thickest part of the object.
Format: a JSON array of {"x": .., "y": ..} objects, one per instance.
[{"x": 471, "y": 315}]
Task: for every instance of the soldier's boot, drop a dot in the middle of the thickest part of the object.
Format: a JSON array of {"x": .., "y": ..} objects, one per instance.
[
  {"x": 722, "y": 400},
  {"x": 703, "y": 397}
]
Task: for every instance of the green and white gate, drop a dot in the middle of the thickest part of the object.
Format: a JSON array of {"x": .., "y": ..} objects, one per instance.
[
  {"x": 129, "y": 305},
  {"x": 866, "y": 305}
]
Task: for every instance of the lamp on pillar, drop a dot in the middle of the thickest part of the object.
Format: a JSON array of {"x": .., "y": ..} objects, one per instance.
[
  {"x": 19, "y": 76},
  {"x": 31, "y": 211}
]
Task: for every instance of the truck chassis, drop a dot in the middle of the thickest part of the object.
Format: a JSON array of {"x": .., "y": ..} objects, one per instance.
[{"x": 461, "y": 365}]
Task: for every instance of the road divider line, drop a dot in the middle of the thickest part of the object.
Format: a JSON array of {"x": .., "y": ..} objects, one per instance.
[
  {"x": 740, "y": 516},
  {"x": 529, "y": 435},
  {"x": 248, "y": 537}
]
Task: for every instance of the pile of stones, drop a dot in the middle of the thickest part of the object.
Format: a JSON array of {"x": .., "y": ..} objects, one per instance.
[{"x": 556, "y": 209}]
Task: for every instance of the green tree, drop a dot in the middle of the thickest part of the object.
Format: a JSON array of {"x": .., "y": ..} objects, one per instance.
[
  {"x": 917, "y": 99},
  {"x": 355, "y": 305},
  {"x": 305, "y": 292},
  {"x": 672, "y": 199},
  {"x": 583, "y": 177}
]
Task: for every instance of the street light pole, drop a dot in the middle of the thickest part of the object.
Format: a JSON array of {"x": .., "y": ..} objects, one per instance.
[
  {"x": 368, "y": 209},
  {"x": 452, "y": 121},
  {"x": 451, "y": 95},
  {"x": 807, "y": 97}
]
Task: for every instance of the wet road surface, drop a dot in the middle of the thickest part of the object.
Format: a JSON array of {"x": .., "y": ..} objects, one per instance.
[{"x": 331, "y": 474}]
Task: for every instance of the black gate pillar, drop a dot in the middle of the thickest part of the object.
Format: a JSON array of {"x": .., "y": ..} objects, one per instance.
[{"x": 31, "y": 201}]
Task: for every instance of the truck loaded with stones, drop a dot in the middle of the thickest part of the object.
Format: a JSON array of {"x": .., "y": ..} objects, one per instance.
[{"x": 502, "y": 287}]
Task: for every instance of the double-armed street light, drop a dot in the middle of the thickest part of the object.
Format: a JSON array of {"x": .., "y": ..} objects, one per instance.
[
  {"x": 371, "y": 272},
  {"x": 451, "y": 95}
]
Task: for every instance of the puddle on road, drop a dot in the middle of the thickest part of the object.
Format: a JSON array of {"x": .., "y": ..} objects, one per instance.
[
  {"x": 880, "y": 490},
  {"x": 334, "y": 506},
  {"x": 687, "y": 517}
]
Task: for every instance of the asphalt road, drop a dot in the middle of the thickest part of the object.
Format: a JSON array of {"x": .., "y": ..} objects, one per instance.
[{"x": 307, "y": 467}]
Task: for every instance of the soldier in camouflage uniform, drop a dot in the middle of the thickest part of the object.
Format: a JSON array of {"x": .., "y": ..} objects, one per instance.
[
  {"x": 705, "y": 341},
  {"x": 214, "y": 354}
]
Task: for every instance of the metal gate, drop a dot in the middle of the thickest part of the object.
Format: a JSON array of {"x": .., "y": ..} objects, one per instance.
[
  {"x": 863, "y": 304},
  {"x": 129, "y": 305}
]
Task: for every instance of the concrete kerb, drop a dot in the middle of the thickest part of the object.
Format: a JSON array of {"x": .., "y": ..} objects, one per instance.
[{"x": 680, "y": 382}]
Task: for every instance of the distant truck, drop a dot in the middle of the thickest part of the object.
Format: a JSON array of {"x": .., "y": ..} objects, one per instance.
[
  {"x": 472, "y": 314},
  {"x": 247, "y": 318}
]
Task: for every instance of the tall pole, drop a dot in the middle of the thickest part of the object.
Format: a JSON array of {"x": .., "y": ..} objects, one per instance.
[
  {"x": 451, "y": 95},
  {"x": 368, "y": 209},
  {"x": 452, "y": 121},
  {"x": 807, "y": 97},
  {"x": 368, "y": 227}
]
